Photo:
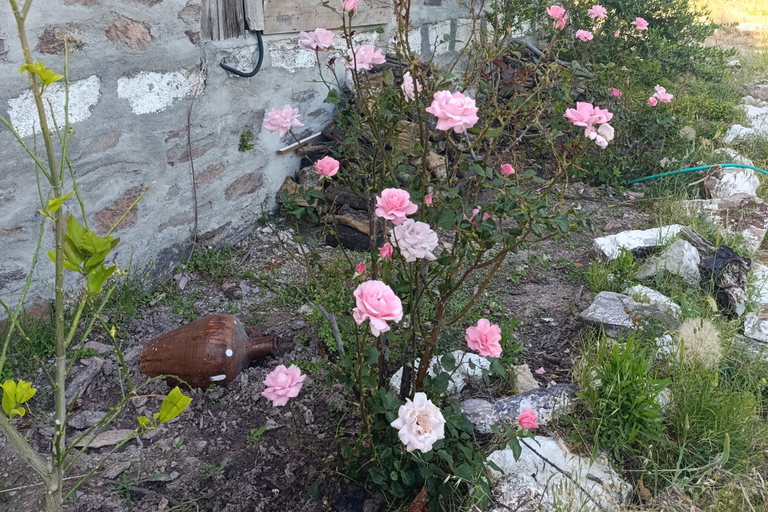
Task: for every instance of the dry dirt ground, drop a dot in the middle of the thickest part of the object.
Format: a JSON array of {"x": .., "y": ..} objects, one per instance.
[{"x": 204, "y": 459}]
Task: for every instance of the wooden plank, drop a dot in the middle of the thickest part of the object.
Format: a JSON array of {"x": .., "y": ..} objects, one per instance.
[
  {"x": 291, "y": 16},
  {"x": 254, "y": 14},
  {"x": 222, "y": 19},
  {"x": 296, "y": 145}
]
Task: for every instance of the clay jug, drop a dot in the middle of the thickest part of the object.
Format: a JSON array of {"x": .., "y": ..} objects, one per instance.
[{"x": 211, "y": 350}]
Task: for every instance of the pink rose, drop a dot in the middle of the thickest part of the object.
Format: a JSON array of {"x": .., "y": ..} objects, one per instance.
[
  {"x": 615, "y": 92},
  {"x": 662, "y": 94},
  {"x": 597, "y": 11},
  {"x": 540, "y": 371},
  {"x": 428, "y": 199},
  {"x": 327, "y": 166},
  {"x": 394, "y": 204},
  {"x": 484, "y": 338},
  {"x": 453, "y": 111},
  {"x": 360, "y": 270},
  {"x": 560, "y": 24},
  {"x": 652, "y": 101},
  {"x": 616, "y": 34},
  {"x": 640, "y": 23},
  {"x": 527, "y": 419},
  {"x": 349, "y": 5},
  {"x": 385, "y": 251},
  {"x": 556, "y": 12},
  {"x": 319, "y": 40},
  {"x": 408, "y": 87},
  {"x": 283, "y": 383},
  {"x": 475, "y": 211},
  {"x": 282, "y": 121},
  {"x": 507, "y": 169},
  {"x": 364, "y": 58},
  {"x": 377, "y": 303},
  {"x": 584, "y": 35},
  {"x": 416, "y": 240}
]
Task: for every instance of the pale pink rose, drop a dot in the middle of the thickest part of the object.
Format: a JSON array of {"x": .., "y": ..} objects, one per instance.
[
  {"x": 601, "y": 115},
  {"x": 615, "y": 92},
  {"x": 364, "y": 58},
  {"x": 652, "y": 101},
  {"x": 327, "y": 166},
  {"x": 484, "y": 338},
  {"x": 506, "y": 170},
  {"x": 540, "y": 371},
  {"x": 281, "y": 121},
  {"x": 319, "y": 40},
  {"x": 527, "y": 419},
  {"x": 475, "y": 211},
  {"x": 602, "y": 136},
  {"x": 616, "y": 34},
  {"x": 428, "y": 200},
  {"x": 640, "y": 23},
  {"x": 581, "y": 115},
  {"x": 556, "y": 12},
  {"x": 560, "y": 24},
  {"x": 394, "y": 204},
  {"x": 416, "y": 240},
  {"x": 409, "y": 87},
  {"x": 584, "y": 35},
  {"x": 377, "y": 303},
  {"x": 283, "y": 383},
  {"x": 453, "y": 111},
  {"x": 360, "y": 270},
  {"x": 419, "y": 423},
  {"x": 597, "y": 11},
  {"x": 662, "y": 94},
  {"x": 349, "y": 5},
  {"x": 385, "y": 251}
]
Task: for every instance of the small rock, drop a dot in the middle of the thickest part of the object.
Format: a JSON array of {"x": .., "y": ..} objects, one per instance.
[
  {"x": 748, "y": 26},
  {"x": 531, "y": 482},
  {"x": 174, "y": 475},
  {"x": 733, "y": 64},
  {"x": 549, "y": 403},
  {"x": 758, "y": 291},
  {"x": 739, "y": 213},
  {"x": 108, "y": 438},
  {"x": 650, "y": 296},
  {"x": 732, "y": 157},
  {"x": 88, "y": 370},
  {"x": 85, "y": 419},
  {"x": 100, "y": 348},
  {"x": 271, "y": 425},
  {"x": 609, "y": 247},
  {"x": 729, "y": 181},
  {"x": 467, "y": 366},
  {"x": 617, "y": 313},
  {"x": 756, "y": 325},
  {"x": 116, "y": 469},
  {"x": 681, "y": 259},
  {"x": 737, "y": 132},
  {"x": 524, "y": 380}
]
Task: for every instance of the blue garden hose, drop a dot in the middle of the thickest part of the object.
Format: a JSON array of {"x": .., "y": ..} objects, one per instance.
[{"x": 691, "y": 169}]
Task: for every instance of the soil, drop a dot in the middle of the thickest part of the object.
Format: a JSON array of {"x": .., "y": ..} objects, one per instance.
[{"x": 203, "y": 460}]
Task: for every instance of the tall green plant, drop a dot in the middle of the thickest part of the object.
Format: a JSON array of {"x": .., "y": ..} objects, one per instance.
[{"x": 78, "y": 250}]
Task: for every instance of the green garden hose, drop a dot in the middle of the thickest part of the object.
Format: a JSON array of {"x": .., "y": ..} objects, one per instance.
[{"x": 691, "y": 169}]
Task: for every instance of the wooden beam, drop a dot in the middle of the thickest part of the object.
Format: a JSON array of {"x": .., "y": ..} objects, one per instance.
[{"x": 292, "y": 16}]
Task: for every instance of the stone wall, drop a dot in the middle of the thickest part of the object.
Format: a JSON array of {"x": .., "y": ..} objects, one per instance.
[{"x": 135, "y": 67}]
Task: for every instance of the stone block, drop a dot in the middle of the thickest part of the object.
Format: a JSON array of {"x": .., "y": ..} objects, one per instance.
[
  {"x": 134, "y": 34},
  {"x": 610, "y": 246},
  {"x": 617, "y": 314},
  {"x": 106, "y": 217},
  {"x": 739, "y": 213},
  {"x": 53, "y": 40},
  {"x": 246, "y": 184},
  {"x": 680, "y": 259}
]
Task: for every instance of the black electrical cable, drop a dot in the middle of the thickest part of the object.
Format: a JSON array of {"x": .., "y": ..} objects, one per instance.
[{"x": 258, "y": 64}]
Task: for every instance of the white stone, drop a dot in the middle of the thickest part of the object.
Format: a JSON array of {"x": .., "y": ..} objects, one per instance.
[
  {"x": 732, "y": 157},
  {"x": 748, "y": 26},
  {"x": 758, "y": 117},
  {"x": 737, "y": 132},
  {"x": 758, "y": 285},
  {"x": 681, "y": 259},
  {"x": 468, "y": 366},
  {"x": 650, "y": 296},
  {"x": 756, "y": 325},
  {"x": 755, "y": 102},
  {"x": 531, "y": 477},
  {"x": 83, "y": 96},
  {"x": 733, "y": 64},
  {"x": 149, "y": 92},
  {"x": 610, "y": 246},
  {"x": 524, "y": 380}
]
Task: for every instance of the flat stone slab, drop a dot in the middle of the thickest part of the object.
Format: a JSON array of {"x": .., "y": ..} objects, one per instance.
[
  {"x": 758, "y": 284},
  {"x": 739, "y": 213},
  {"x": 468, "y": 366},
  {"x": 644, "y": 294},
  {"x": 531, "y": 484},
  {"x": 732, "y": 180},
  {"x": 549, "y": 403},
  {"x": 609, "y": 247},
  {"x": 618, "y": 314}
]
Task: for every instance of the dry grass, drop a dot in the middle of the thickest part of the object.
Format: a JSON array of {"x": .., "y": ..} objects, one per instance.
[{"x": 737, "y": 11}]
